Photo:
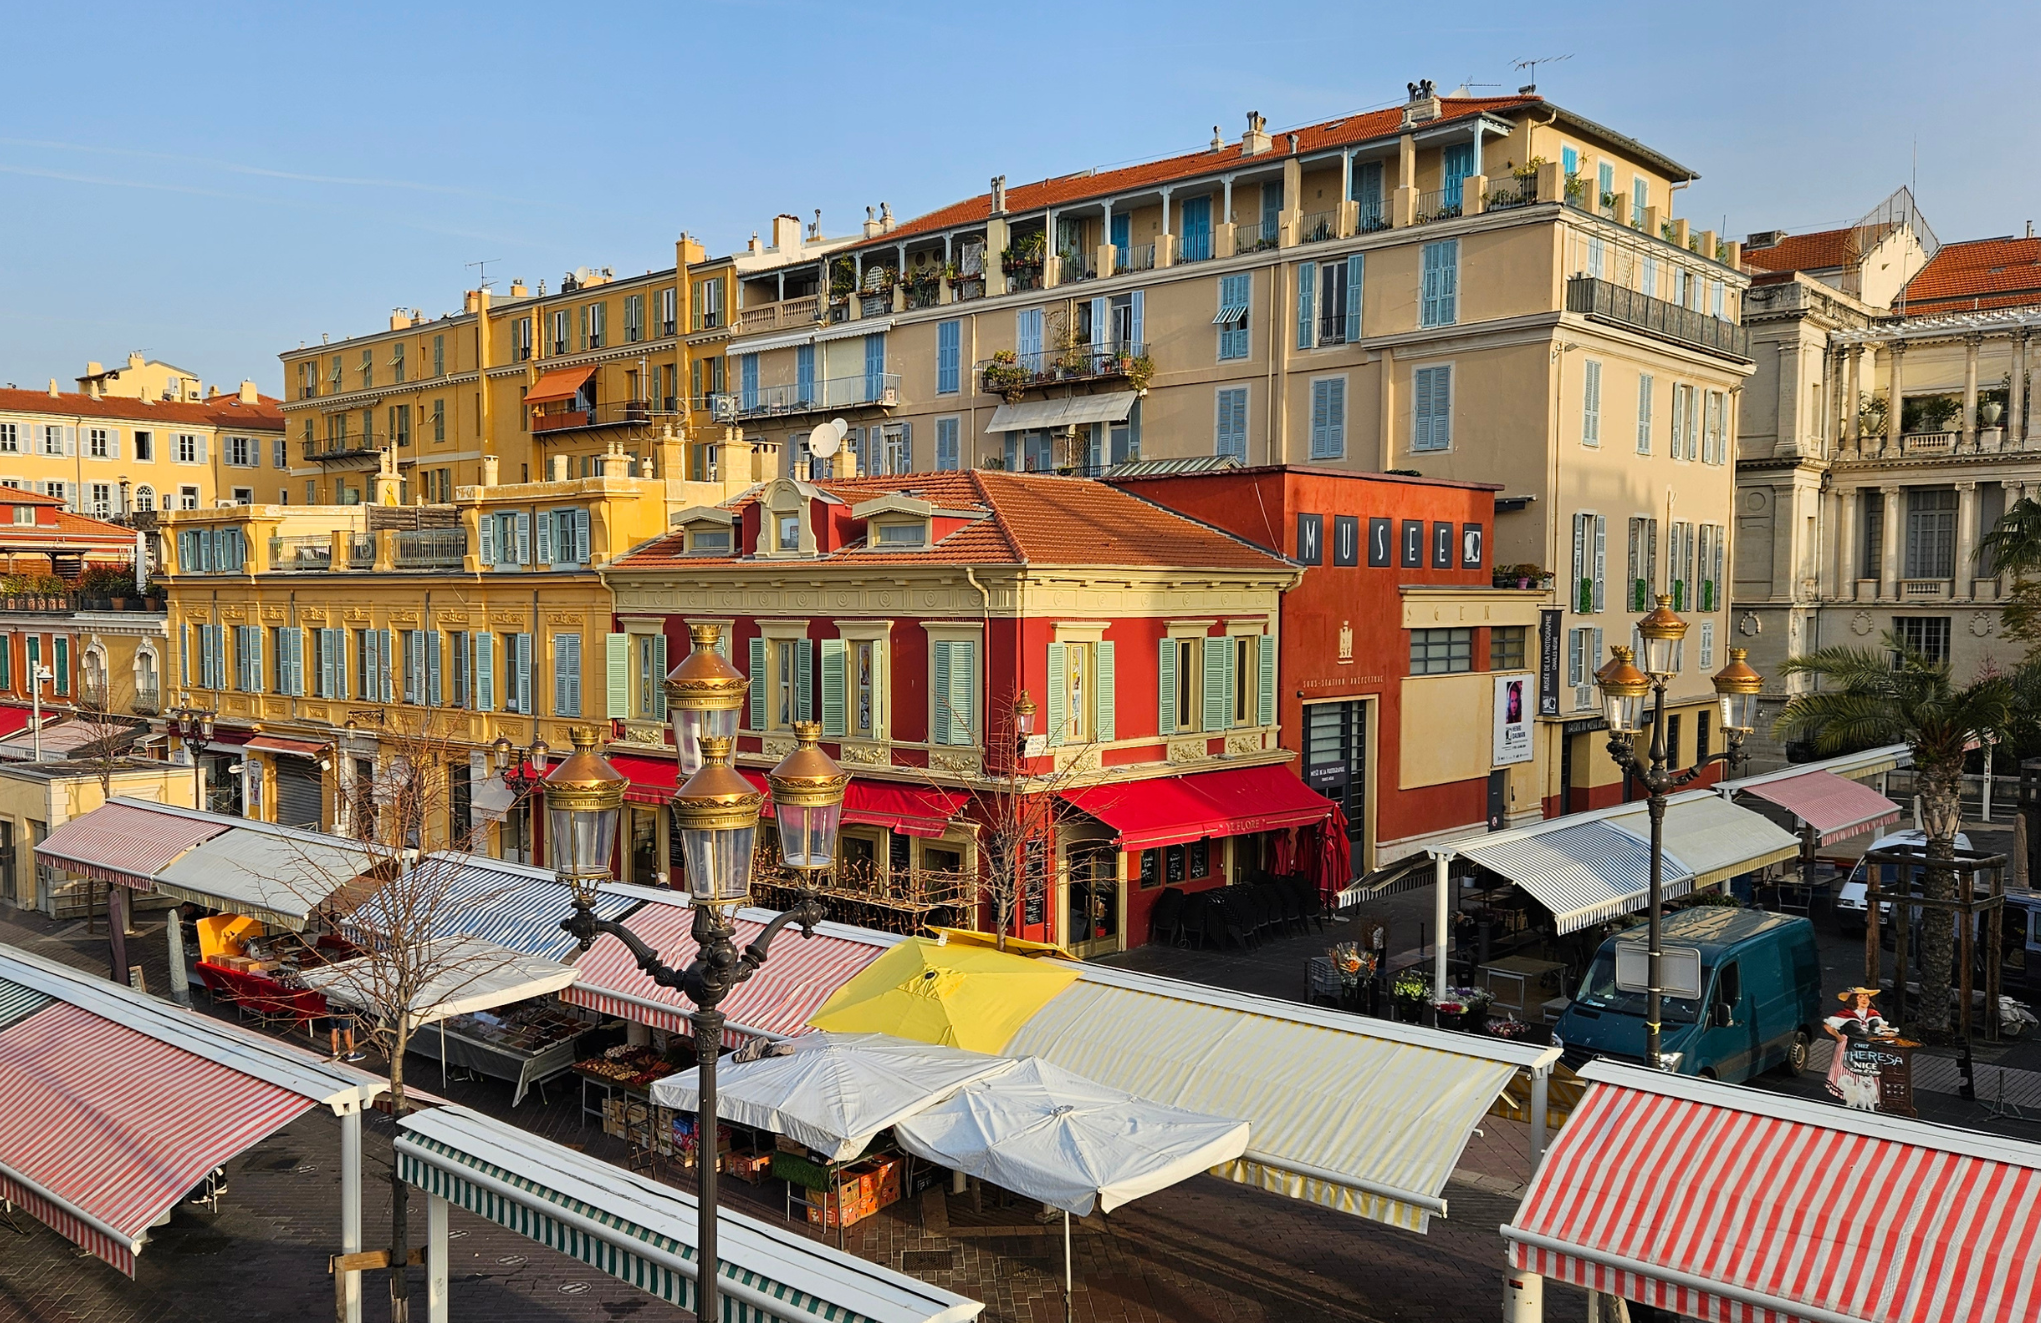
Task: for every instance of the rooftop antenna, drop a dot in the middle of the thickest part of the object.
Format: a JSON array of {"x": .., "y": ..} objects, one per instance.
[
  {"x": 1531, "y": 66},
  {"x": 482, "y": 271}
]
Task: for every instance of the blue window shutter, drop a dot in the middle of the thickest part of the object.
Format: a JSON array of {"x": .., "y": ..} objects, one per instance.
[
  {"x": 1570, "y": 159},
  {"x": 1356, "y": 266},
  {"x": 1138, "y": 328},
  {"x": 939, "y": 691},
  {"x": 875, "y": 364},
  {"x": 832, "y": 687},
  {"x": 488, "y": 528},
  {"x": 1165, "y": 686},
  {"x": 1335, "y": 418},
  {"x": 1056, "y": 715},
  {"x": 758, "y": 684},
  {"x": 948, "y": 342},
  {"x": 1216, "y": 712},
  {"x": 804, "y": 679},
  {"x": 1307, "y": 292},
  {"x": 546, "y": 521},
  {"x": 804, "y": 372},
  {"x": 1265, "y": 702},
  {"x": 432, "y": 649},
  {"x": 1101, "y": 324},
  {"x": 747, "y": 376},
  {"x": 1104, "y": 720},
  {"x": 1122, "y": 232},
  {"x": 1028, "y": 337}
]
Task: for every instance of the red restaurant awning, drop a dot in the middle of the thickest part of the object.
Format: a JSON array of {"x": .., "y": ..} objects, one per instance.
[
  {"x": 13, "y": 719},
  {"x": 125, "y": 844},
  {"x": 908, "y": 809},
  {"x": 559, "y": 384},
  {"x": 1717, "y": 1202},
  {"x": 1835, "y": 806},
  {"x": 1175, "y": 809},
  {"x": 278, "y": 744},
  {"x": 103, "y": 1129}
]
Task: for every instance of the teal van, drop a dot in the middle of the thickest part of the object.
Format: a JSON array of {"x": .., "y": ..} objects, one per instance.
[{"x": 1741, "y": 994}]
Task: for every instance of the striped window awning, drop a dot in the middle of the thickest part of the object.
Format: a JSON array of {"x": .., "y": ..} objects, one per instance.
[
  {"x": 126, "y": 843},
  {"x": 643, "y": 1232},
  {"x": 465, "y": 895},
  {"x": 1585, "y": 874},
  {"x": 1719, "y": 1202},
  {"x": 1712, "y": 836},
  {"x": 775, "y": 1002},
  {"x": 1229, "y": 313},
  {"x": 1835, "y": 806},
  {"x": 18, "y": 1003}
]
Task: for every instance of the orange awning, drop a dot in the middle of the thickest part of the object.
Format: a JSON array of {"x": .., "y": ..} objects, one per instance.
[{"x": 559, "y": 384}]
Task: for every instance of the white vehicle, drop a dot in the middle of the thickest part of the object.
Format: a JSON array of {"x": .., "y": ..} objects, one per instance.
[{"x": 1849, "y": 899}]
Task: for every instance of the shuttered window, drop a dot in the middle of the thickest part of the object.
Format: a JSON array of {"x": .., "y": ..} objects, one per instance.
[
  {"x": 948, "y": 453},
  {"x": 1440, "y": 302},
  {"x": 1229, "y": 435},
  {"x": 1231, "y": 319},
  {"x": 954, "y": 693},
  {"x": 1644, "y": 385},
  {"x": 1328, "y": 418},
  {"x": 566, "y": 675},
  {"x": 1307, "y": 290},
  {"x": 948, "y": 357},
  {"x": 1431, "y": 420},
  {"x": 1591, "y": 403}
]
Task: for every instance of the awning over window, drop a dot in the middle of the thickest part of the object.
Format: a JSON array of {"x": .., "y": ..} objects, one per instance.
[
  {"x": 910, "y": 810},
  {"x": 559, "y": 384},
  {"x": 278, "y": 744},
  {"x": 126, "y": 842},
  {"x": 1073, "y": 411},
  {"x": 1584, "y": 874},
  {"x": 1175, "y": 809},
  {"x": 775, "y": 1002},
  {"x": 653, "y": 780},
  {"x": 1712, "y": 836},
  {"x": 1712, "y": 1201},
  {"x": 467, "y": 895},
  {"x": 278, "y": 876},
  {"x": 644, "y": 1232},
  {"x": 13, "y": 719},
  {"x": 1835, "y": 806}
]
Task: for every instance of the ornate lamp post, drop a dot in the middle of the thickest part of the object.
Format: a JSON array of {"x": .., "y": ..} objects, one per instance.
[
  {"x": 1023, "y": 723},
  {"x": 705, "y": 694},
  {"x": 522, "y": 769},
  {"x": 1625, "y": 690},
  {"x": 716, "y": 812},
  {"x": 195, "y": 728}
]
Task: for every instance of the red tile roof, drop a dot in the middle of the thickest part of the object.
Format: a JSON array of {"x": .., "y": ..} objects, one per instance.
[
  {"x": 1074, "y": 188},
  {"x": 223, "y": 411},
  {"x": 1978, "y": 274},
  {"x": 1806, "y": 252},
  {"x": 76, "y": 530},
  {"x": 23, "y": 496},
  {"x": 1033, "y": 519}
]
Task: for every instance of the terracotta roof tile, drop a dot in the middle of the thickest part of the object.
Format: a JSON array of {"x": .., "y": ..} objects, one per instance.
[
  {"x": 1077, "y": 187},
  {"x": 1980, "y": 273},
  {"x": 224, "y": 411},
  {"x": 1035, "y": 519},
  {"x": 1806, "y": 252}
]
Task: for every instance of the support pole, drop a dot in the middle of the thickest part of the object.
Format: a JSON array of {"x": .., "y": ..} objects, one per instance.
[
  {"x": 1439, "y": 926},
  {"x": 1541, "y": 1087},
  {"x": 1523, "y": 1297},
  {"x": 708, "y": 1027},
  {"x": 435, "y": 1260},
  {"x": 1068, "y": 1288},
  {"x": 180, "y": 975},
  {"x": 350, "y": 1212},
  {"x": 117, "y": 930}
]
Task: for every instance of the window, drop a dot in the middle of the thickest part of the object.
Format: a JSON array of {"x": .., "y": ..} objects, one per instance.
[
  {"x": 1590, "y": 562},
  {"x": 1339, "y": 301},
  {"x": 789, "y": 527},
  {"x": 567, "y": 675},
  {"x": 1930, "y": 532},
  {"x": 1597, "y": 258},
  {"x": 1506, "y": 648},
  {"x": 668, "y": 302},
  {"x": 248, "y": 658},
  {"x": 368, "y": 368},
  {"x": 1328, "y": 418},
  {"x": 99, "y": 497},
  {"x": 1718, "y": 298},
  {"x": 145, "y": 497},
  {"x": 903, "y": 535},
  {"x": 1715, "y": 412},
  {"x": 1926, "y": 635},
  {"x": 634, "y": 318},
  {"x": 954, "y": 692},
  {"x": 747, "y": 376},
  {"x": 190, "y": 449},
  {"x": 335, "y": 376},
  {"x": 1027, "y": 337},
  {"x": 1639, "y": 195},
  {"x": 1708, "y": 573},
  {"x": 439, "y": 420},
  {"x": 1179, "y": 667},
  {"x": 308, "y": 379},
  {"x": 948, "y": 351},
  {"x": 1644, "y": 385},
  {"x": 851, "y": 687},
  {"x": 145, "y": 447},
  {"x": 1647, "y": 275},
  {"x": 397, "y": 362},
  {"x": 289, "y": 646},
  {"x": 1643, "y": 566},
  {"x": 1679, "y": 577},
  {"x": 1229, "y": 424},
  {"x": 1605, "y": 179},
  {"x": 187, "y": 498},
  {"x": 99, "y": 443},
  {"x": 781, "y": 682},
  {"x": 1231, "y": 319},
  {"x": 1440, "y": 302},
  {"x": 10, "y": 438},
  {"x": 1868, "y": 565},
  {"x": 517, "y": 679},
  {"x": 53, "y": 440},
  {"x": 242, "y": 452},
  {"x": 1441, "y": 651},
  {"x": 1080, "y": 693},
  {"x": 400, "y": 424},
  {"x": 1307, "y": 304},
  {"x": 1583, "y": 658},
  {"x": 438, "y": 355},
  {"x": 947, "y": 456},
  {"x": 1591, "y": 403},
  {"x": 594, "y": 325},
  {"x": 1686, "y": 422},
  {"x": 1431, "y": 408},
  {"x": 708, "y": 303},
  {"x": 60, "y": 490},
  {"x": 244, "y": 496},
  {"x": 563, "y": 537},
  {"x": 374, "y": 664}
]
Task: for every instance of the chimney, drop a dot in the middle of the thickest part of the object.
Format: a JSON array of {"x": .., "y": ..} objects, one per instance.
[
  {"x": 399, "y": 319},
  {"x": 999, "y": 195},
  {"x": 871, "y": 223},
  {"x": 1218, "y": 142},
  {"x": 1424, "y": 103},
  {"x": 249, "y": 395},
  {"x": 92, "y": 387},
  {"x": 556, "y": 466},
  {"x": 886, "y": 216},
  {"x": 53, "y": 387},
  {"x": 471, "y": 301},
  {"x": 755, "y": 246},
  {"x": 518, "y": 290},
  {"x": 135, "y": 359},
  {"x": 94, "y": 369},
  {"x": 786, "y": 232},
  {"x": 490, "y": 466},
  {"x": 1256, "y": 140}
]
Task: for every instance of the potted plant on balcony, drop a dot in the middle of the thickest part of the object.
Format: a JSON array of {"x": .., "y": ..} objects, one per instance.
[
  {"x": 1139, "y": 370},
  {"x": 1525, "y": 575},
  {"x": 1004, "y": 375},
  {"x": 1027, "y": 254}
]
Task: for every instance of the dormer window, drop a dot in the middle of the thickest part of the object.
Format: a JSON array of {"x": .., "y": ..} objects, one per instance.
[
  {"x": 708, "y": 542},
  {"x": 903, "y": 535},
  {"x": 789, "y": 532},
  {"x": 24, "y": 514}
]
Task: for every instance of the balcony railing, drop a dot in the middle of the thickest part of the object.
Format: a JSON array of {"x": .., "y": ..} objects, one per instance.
[
  {"x": 361, "y": 551},
  {"x": 564, "y": 417},
  {"x": 1626, "y": 307},
  {"x": 1133, "y": 257},
  {"x": 431, "y": 548},
  {"x": 1023, "y": 273},
  {"x": 1515, "y": 191},
  {"x": 1928, "y": 443},
  {"x": 312, "y": 552},
  {"x": 355, "y": 445},
  {"x": 147, "y": 701},
  {"x": 1930, "y": 590},
  {"x": 1317, "y": 226},
  {"x": 1078, "y": 266},
  {"x": 1048, "y": 366},
  {"x": 1253, "y": 238},
  {"x": 1373, "y": 215},
  {"x": 1195, "y": 247},
  {"x": 967, "y": 288},
  {"x": 878, "y": 389},
  {"x": 1439, "y": 204},
  {"x": 791, "y": 312}
]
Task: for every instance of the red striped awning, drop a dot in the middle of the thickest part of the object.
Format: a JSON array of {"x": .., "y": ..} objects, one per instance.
[
  {"x": 1740, "y": 1206},
  {"x": 125, "y": 844},
  {"x": 13, "y": 719},
  {"x": 776, "y": 1001},
  {"x": 1170, "y": 810},
  {"x": 103, "y": 1129},
  {"x": 1835, "y": 806}
]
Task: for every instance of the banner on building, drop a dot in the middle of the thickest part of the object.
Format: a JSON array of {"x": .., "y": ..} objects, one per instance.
[{"x": 1512, "y": 719}]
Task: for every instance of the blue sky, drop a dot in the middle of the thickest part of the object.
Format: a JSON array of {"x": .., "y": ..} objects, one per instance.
[{"x": 215, "y": 183}]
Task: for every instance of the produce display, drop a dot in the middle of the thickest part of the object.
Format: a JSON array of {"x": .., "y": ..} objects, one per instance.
[
  {"x": 626, "y": 1066},
  {"x": 525, "y": 1028}
]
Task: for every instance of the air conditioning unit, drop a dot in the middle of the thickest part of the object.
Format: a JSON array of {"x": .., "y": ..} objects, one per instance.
[
  {"x": 889, "y": 397},
  {"x": 723, "y": 408}
]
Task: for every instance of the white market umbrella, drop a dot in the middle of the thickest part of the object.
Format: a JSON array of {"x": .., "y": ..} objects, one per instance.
[{"x": 833, "y": 1092}]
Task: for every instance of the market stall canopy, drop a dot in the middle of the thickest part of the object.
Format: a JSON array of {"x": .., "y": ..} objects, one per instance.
[
  {"x": 275, "y": 874},
  {"x": 1041, "y": 1131},
  {"x": 558, "y": 384},
  {"x": 1409, "y": 873},
  {"x": 1585, "y": 873},
  {"x": 1070, "y": 411},
  {"x": 1361, "y": 1115},
  {"x": 1712, "y": 836},
  {"x": 833, "y": 1092},
  {"x": 127, "y": 841},
  {"x": 451, "y": 894},
  {"x": 775, "y": 1002},
  {"x": 644, "y": 1232},
  {"x": 1835, "y": 806},
  {"x": 462, "y": 974},
  {"x": 1174, "y": 809},
  {"x": 950, "y": 993},
  {"x": 1712, "y": 1201}
]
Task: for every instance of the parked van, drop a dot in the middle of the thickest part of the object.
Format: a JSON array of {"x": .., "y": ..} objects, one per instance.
[
  {"x": 1850, "y": 912},
  {"x": 1741, "y": 994}
]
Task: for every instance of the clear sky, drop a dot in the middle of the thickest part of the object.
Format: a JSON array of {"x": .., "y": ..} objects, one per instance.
[{"x": 213, "y": 184}]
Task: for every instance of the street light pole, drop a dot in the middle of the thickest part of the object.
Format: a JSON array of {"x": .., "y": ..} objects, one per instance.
[
  {"x": 195, "y": 728},
  {"x": 42, "y": 676}
]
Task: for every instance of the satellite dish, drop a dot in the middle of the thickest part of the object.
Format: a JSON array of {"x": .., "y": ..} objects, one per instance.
[
  {"x": 823, "y": 441},
  {"x": 842, "y": 427}
]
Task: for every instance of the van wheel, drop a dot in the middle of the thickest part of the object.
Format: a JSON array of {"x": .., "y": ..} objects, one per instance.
[{"x": 1797, "y": 1052}]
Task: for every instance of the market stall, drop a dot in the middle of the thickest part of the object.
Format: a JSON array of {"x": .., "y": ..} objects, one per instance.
[{"x": 452, "y": 894}]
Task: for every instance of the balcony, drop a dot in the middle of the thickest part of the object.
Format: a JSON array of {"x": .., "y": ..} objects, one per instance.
[
  {"x": 1076, "y": 266},
  {"x": 1928, "y": 443},
  {"x": 1439, "y": 204},
  {"x": 1254, "y": 238},
  {"x": 1194, "y": 248},
  {"x": 1317, "y": 226},
  {"x": 865, "y": 390},
  {"x": 1133, "y": 257},
  {"x": 773, "y": 316},
  {"x": 1515, "y": 191},
  {"x": 1006, "y": 373},
  {"x": 361, "y": 551},
  {"x": 311, "y": 552},
  {"x": 431, "y": 548},
  {"x": 1606, "y": 302},
  {"x": 565, "y": 416},
  {"x": 355, "y": 446},
  {"x": 1926, "y": 590},
  {"x": 1373, "y": 215}
]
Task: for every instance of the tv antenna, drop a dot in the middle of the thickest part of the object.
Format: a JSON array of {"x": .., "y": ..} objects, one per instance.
[
  {"x": 1531, "y": 66},
  {"x": 482, "y": 271}
]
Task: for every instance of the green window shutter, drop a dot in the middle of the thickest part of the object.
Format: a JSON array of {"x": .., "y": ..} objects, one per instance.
[
  {"x": 1057, "y": 715},
  {"x": 964, "y": 692},
  {"x": 389, "y": 663},
  {"x": 757, "y": 674},
  {"x": 804, "y": 680},
  {"x": 1307, "y": 291},
  {"x": 833, "y": 657},
  {"x": 1216, "y": 706},
  {"x": 1356, "y": 272},
  {"x": 63, "y": 666},
  {"x": 485, "y": 671},
  {"x": 1102, "y": 693},
  {"x": 1265, "y": 705},
  {"x": 1165, "y": 687},
  {"x": 432, "y": 689},
  {"x": 659, "y": 677},
  {"x": 939, "y": 689},
  {"x": 617, "y": 664}
]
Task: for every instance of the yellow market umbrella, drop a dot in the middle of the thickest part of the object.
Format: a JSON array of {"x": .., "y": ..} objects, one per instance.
[
  {"x": 953, "y": 994},
  {"x": 1014, "y": 945}
]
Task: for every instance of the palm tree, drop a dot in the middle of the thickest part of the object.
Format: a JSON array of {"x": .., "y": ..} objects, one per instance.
[
  {"x": 1897, "y": 696},
  {"x": 2013, "y": 547}
]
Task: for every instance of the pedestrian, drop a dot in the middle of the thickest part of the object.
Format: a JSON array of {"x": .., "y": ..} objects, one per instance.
[{"x": 339, "y": 1025}]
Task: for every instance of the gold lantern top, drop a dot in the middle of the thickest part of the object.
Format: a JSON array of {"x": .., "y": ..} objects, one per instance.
[
  {"x": 716, "y": 798},
  {"x": 585, "y": 782},
  {"x": 807, "y": 777},
  {"x": 705, "y": 681}
]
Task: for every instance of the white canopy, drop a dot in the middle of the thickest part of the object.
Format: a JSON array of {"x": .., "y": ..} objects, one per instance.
[
  {"x": 464, "y": 974},
  {"x": 1048, "y": 1134},
  {"x": 833, "y": 1092},
  {"x": 1071, "y": 411}
]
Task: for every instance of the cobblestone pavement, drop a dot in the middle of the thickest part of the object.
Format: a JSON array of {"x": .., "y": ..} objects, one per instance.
[{"x": 1204, "y": 1252}]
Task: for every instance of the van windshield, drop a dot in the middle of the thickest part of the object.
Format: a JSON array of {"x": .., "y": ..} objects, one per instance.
[{"x": 1598, "y": 991}]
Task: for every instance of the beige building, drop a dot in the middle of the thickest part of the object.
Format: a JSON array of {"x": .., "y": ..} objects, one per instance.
[
  {"x": 143, "y": 379},
  {"x": 37, "y": 798},
  {"x": 1857, "y": 519}
]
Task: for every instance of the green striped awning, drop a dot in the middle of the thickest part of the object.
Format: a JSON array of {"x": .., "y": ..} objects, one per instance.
[{"x": 18, "y": 1003}]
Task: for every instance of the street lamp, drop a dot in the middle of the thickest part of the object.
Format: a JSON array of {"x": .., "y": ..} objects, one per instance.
[
  {"x": 1023, "y": 722},
  {"x": 195, "y": 728},
  {"x": 43, "y": 675},
  {"x": 584, "y": 800},
  {"x": 704, "y": 693},
  {"x": 522, "y": 769},
  {"x": 1624, "y": 689},
  {"x": 716, "y": 813}
]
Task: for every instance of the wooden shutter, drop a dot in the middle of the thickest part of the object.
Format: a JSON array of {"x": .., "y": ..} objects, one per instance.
[
  {"x": 1591, "y": 404},
  {"x": 432, "y": 689},
  {"x": 1601, "y": 561},
  {"x": 524, "y": 537},
  {"x": 1104, "y": 700},
  {"x": 523, "y": 676},
  {"x": 1307, "y": 292},
  {"x": 804, "y": 679},
  {"x": 1056, "y": 716},
  {"x": 1644, "y": 414},
  {"x": 833, "y": 697},
  {"x": 487, "y": 525},
  {"x": 1101, "y": 324},
  {"x": 758, "y": 685},
  {"x": 1165, "y": 686},
  {"x": 963, "y": 690},
  {"x": 659, "y": 676},
  {"x": 617, "y": 671},
  {"x": 1356, "y": 270},
  {"x": 567, "y": 675},
  {"x": 1137, "y": 326},
  {"x": 485, "y": 671},
  {"x": 939, "y": 695},
  {"x": 1265, "y": 702},
  {"x": 1217, "y": 710},
  {"x": 546, "y": 521},
  {"x": 1583, "y": 586}
]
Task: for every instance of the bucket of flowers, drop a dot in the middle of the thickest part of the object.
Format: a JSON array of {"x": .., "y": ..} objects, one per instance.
[
  {"x": 1461, "y": 1008},
  {"x": 1355, "y": 966},
  {"x": 1409, "y": 992}
]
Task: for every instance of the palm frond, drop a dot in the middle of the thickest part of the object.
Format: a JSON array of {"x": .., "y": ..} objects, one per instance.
[{"x": 2014, "y": 542}]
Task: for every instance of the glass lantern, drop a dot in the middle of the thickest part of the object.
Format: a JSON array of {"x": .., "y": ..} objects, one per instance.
[
  {"x": 1625, "y": 691},
  {"x": 1663, "y": 634},
  {"x": 1737, "y": 687},
  {"x": 584, "y": 800},
  {"x": 807, "y": 799},
  {"x": 705, "y": 695},
  {"x": 716, "y": 813}
]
